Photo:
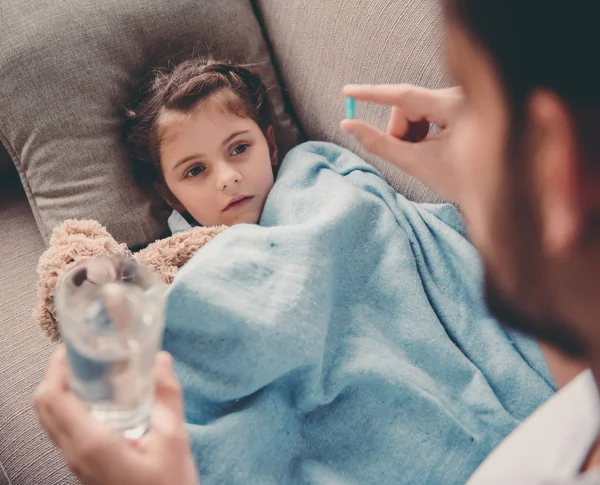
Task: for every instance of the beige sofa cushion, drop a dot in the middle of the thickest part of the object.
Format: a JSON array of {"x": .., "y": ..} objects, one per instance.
[
  {"x": 320, "y": 46},
  {"x": 64, "y": 70},
  {"x": 26, "y": 455}
]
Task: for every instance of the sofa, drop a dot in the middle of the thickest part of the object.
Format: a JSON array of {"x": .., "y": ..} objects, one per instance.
[{"x": 65, "y": 68}]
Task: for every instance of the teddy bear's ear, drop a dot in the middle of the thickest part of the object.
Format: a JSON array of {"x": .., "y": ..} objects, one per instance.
[
  {"x": 71, "y": 242},
  {"x": 89, "y": 228}
]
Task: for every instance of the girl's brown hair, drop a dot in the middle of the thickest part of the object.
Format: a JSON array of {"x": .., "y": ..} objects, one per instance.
[{"x": 179, "y": 88}]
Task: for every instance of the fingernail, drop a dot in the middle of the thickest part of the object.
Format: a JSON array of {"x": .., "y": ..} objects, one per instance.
[
  {"x": 348, "y": 131},
  {"x": 166, "y": 360}
]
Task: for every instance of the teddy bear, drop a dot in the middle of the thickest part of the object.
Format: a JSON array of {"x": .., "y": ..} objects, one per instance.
[{"x": 75, "y": 241}]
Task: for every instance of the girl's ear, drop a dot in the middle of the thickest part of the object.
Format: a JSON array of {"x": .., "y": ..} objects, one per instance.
[
  {"x": 168, "y": 197},
  {"x": 270, "y": 135}
]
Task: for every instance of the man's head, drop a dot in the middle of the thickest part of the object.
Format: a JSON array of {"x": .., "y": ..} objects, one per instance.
[{"x": 527, "y": 141}]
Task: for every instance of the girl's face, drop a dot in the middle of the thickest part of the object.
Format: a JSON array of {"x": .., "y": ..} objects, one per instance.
[{"x": 218, "y": 166}]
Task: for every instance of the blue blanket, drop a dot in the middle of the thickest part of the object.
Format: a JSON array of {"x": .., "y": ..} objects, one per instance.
[{"x": 344, "y": 340}]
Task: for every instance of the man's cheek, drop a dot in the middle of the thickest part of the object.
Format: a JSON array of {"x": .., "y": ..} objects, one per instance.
[
  {"x": 467, "y": 155},
  {"x": 476, "y": 178}
]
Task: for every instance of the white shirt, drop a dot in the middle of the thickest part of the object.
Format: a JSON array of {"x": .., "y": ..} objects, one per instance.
[
  {"x": 550, "y": 446},
  {"x": 177, "y": 223}
]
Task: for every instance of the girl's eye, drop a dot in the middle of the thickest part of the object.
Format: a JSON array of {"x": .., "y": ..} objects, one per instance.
[
  {"x": 193, "y": 172},
  {"x": 238, "y": 150}
]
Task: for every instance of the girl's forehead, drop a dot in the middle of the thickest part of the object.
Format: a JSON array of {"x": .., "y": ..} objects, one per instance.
[
  {"x": 170, "y": 122},
  {"x": 207, "y": 116},
  {"x": 203, "y": 128}
]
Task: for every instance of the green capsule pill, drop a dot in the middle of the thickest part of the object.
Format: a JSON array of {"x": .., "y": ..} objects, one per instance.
[{"x": 350, "y": 108}]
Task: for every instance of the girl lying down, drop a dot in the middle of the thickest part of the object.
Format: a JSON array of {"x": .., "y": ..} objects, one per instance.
[{"x": 337, "y": 333}]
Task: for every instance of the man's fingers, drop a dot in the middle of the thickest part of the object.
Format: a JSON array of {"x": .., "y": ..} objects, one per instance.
[
  {"x": 168, "y": 407},
  {"x": 67, "y": 419},
  {"x": 168, "y": 420},
  {"x": 399, "y": 127},
  {"x": 398, "y": 152},
  {"x": 416, "y": 102},
  {"x": 61, "y": 412},
  {"x": 391, "y": 94},
  {"x": 168, "y": 389},
  {"x": 85, "y": 442}
]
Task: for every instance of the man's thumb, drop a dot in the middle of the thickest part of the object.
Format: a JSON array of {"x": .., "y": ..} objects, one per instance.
[
  {"x": 378, "y": 143},
  {"x": 168, "y": 394}
]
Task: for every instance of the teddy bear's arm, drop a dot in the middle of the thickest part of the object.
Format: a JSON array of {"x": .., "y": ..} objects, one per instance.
[{"x": 167, "y": 255}]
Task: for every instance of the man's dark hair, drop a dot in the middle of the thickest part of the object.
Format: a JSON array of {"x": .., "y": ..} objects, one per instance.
[{"x": 534, "y": 44}]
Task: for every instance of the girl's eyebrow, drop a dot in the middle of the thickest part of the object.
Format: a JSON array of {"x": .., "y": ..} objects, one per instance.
[
  {"x": 233, "y": 135},
  {"x": 195, "y": 156}
]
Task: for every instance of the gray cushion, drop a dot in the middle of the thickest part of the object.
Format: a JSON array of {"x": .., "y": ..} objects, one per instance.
[
  {"x": 26, "y": 455},
  {"x": 64, "y": 69},
  {"x": 321, "y": 45}
]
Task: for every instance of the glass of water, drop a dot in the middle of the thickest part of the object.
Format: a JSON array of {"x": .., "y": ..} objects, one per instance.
[{"x": 110, "y": 313}]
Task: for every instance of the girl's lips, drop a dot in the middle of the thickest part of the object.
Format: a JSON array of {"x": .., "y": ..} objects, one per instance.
[{"x": 238, "y": 202}]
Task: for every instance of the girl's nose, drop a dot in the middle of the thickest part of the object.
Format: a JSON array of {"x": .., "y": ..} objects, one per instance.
[{"x": 228, "y": 177}]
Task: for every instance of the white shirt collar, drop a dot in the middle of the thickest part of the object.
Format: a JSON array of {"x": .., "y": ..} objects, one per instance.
[{"x": 552, "y": 444}]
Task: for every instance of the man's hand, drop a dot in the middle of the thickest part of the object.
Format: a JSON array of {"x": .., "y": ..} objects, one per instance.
[
  {"x": 98, "y": 455},
  {"x": 405, "y": 142}
]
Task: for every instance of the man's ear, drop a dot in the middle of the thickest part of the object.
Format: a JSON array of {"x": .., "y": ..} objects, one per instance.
[
  {"x": 270, "y": 135},
  {"x": 557, "y": 173},
  {"x": 168, "y": 197}
]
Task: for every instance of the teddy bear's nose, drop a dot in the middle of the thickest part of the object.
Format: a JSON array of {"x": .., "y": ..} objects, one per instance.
[{"x": 101, "y": 271}]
